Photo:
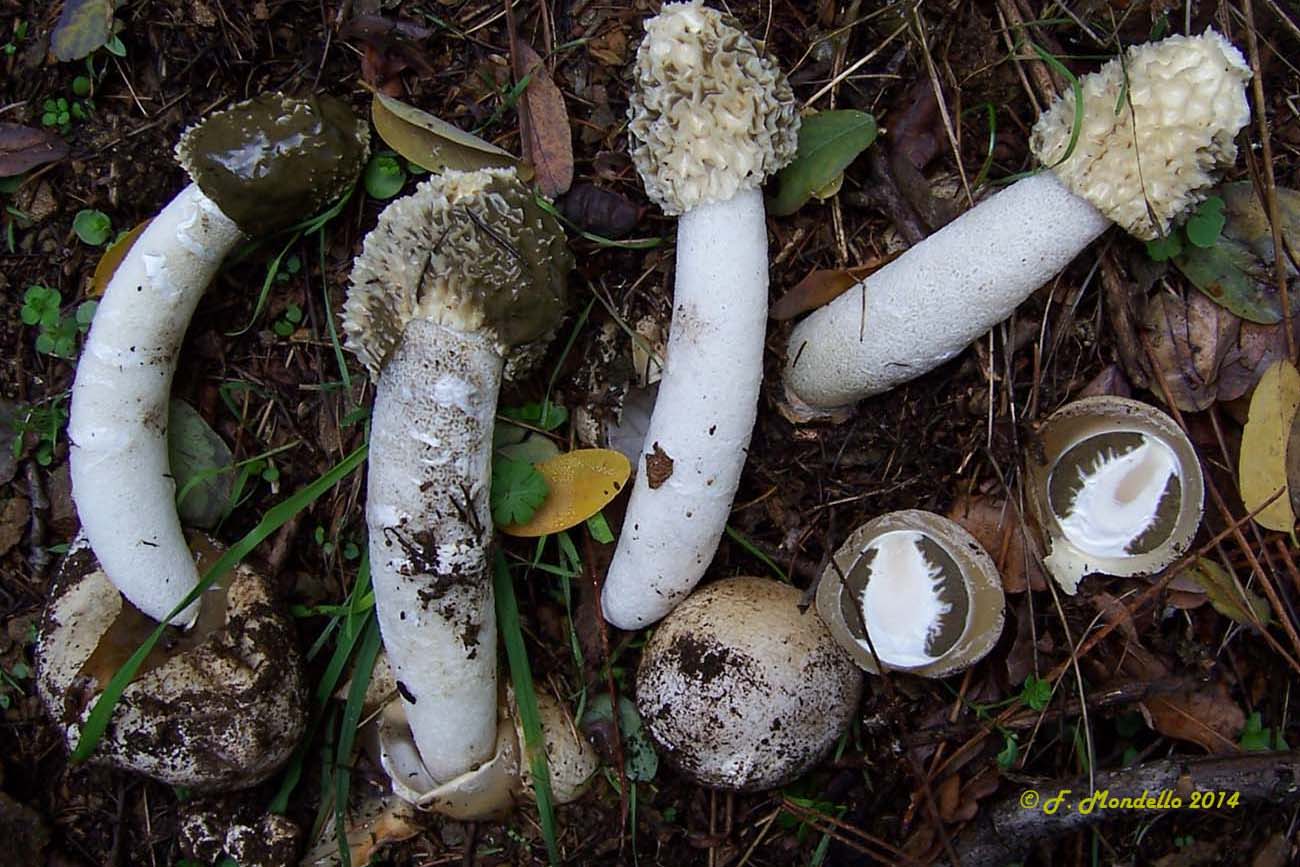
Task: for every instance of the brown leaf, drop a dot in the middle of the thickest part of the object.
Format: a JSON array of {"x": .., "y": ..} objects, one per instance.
[
  {"x": 1252, "y": 353},
  {"x": 610, "y": 47},
  {"x": 993, "y": 524},
  {"x": 23, "y": 148},
  {"x": 543, "y": 123},
  {"x": 1190, "y": 335},
  {"x": 602, "y": 212},
  {"x": 821, "y": 286},
  {"x": 113, "y": 257},
  {"x": 1201, "y": 714},
  {"x": 1111, "y": 381},
  {"x": 390, "y": 48},
  {"x": 13, "y": 522}
]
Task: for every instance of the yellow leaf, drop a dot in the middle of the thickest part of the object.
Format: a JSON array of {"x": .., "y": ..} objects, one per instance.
[
  {"x": 1262, "y": 468},
  {"x": 1227, "y": 596},
  {"x": 581, "y": 483},
  {"x": 431, "y": 142},
  {"x": 113, "y": 257}
]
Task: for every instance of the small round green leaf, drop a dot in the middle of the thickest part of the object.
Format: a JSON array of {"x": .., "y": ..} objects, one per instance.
[
  {"x": 92, "y": 227},
  {"x": 384, "y": 177}
]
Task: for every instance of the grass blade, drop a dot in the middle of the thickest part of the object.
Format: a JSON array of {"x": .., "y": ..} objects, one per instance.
[
  {"x": 526, "y": 700},
  {"x": 274, "y": 519},
  {"x": 361, "y": 673}
]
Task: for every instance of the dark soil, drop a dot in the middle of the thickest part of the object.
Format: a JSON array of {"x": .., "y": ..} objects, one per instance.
[{"x": 1160, "y": 673}]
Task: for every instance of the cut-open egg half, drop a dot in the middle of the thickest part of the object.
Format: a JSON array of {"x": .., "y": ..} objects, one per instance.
[
  {"x": 1115, "y": 487},
  {"x": 912, "y": 591}
]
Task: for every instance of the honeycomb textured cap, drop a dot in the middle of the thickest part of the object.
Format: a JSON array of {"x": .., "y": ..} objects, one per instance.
[
  {"x": 467, "y": 250},
  {"x": 710, "y": 113},
  {"x": 1180, "y": 104}
]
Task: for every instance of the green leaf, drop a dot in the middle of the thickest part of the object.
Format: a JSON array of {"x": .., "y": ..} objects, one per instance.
[
  {"x": 1166, "y": 248},
  {"x": 1256, "y": 738},
  {"x": 1204, "y": 226},
  {"x": 1223, "y": 594},
  {"x": 81, "y": 85},
  {"x": 1237, "y": 271},
  {"x": 1010, "y": 751},
  {"x": 545, "y": 415},
  {"x": 384, "y": 177},
  {"x": 517, "y": 490},
  {"x": 599, "y": 528},
  {"x": 201, "y": 464},
  {"x": 86, "y": 314},
  {"x": 828, "y": 143},
  {"x": 92, "y": 227},
  {"x": 534, "y": 448},
  {"x": 83, "y": 27},
  {"x": 640, "y": 761},
  {"x": 1036, "y": 693}
]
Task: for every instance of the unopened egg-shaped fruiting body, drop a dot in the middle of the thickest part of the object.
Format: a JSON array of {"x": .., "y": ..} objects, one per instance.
[{"x": 741, "y": 689}]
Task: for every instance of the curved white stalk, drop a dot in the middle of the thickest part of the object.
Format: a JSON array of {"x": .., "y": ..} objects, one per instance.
[
  {"x": 1181, "y": 102},
  {"x": 430, "y": 528},
  {"x": 121, "y": 476},
  {"x": 703, "y": 418},
  {"x": 937, "y": 297}
]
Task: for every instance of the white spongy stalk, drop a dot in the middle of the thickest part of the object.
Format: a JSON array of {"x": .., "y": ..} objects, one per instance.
[
  {"x": 121, "y": 476},
  {"x": 430, "y": 527},
  {"x": 703, "y": 418},
  {"x": 936, "y": 298}
]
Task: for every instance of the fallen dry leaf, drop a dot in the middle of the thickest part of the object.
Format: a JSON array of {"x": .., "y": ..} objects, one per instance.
[
  {"x": 543, "y": 123},
  {"x": 601, "y": 212},
  {"x": 1227, "y": 596},
  {"x": 24, "y": 147},
  {"x": 821, "y": 286},
  {"x": 13, "y": 522},
  {"x": 993, "y": 524},
  {"x": 113, "y": 256},
  {"x": 1262, "y": 465},
  {"x": 391, "y": 47},
  {"x": 1252, "y": 353},
  {"x": 430, "y": 142},
  {"x": 1190, "y": 336},
  {"x": 580, "y": 483}
]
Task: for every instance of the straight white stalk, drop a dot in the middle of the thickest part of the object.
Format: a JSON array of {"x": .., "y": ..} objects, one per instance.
[
  {"x": 704, "y": 416},
  {"x": 936, "y": 298},
  {"x": 121, "y": 476},
  {"x": 430, "y": 527}
]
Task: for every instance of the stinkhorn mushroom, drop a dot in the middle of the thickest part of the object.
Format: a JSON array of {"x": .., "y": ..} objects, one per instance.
[
  {"x": 711, "y": 117},
  {"x": 1154, "y": 127},
  {"x": 742, "y": 688},
  {"x": 259, "y": 166},
  {"x": 458, "y": 281}
]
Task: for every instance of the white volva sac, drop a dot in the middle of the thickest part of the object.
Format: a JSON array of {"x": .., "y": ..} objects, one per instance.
[
  {"x": 121, "y": 475},
  {"x": 1154, "y": 130},
  {"x": 459, "y": 282},
  {"x": 710, "y": 117}
]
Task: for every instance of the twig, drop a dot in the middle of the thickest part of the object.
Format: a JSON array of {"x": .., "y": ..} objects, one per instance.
[{"x": 1006, "y": 830}]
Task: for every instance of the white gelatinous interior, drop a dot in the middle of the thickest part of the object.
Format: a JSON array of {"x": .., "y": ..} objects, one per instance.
[
  {"x": 1119, "y": 498},
  {"x": 901, "y": 605}
]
